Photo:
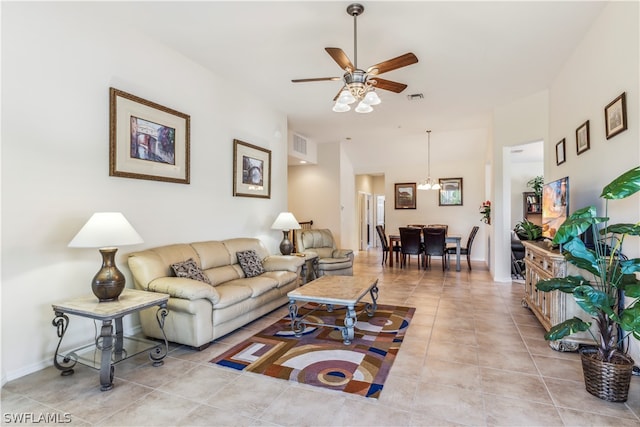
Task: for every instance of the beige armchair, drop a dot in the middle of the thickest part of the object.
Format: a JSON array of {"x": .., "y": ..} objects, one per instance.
[{"x": 331, "y": 260}]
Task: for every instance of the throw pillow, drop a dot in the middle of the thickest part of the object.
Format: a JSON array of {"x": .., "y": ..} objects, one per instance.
[
  {"x": 250, "y": 263},
  {"x": 190, "y": 270}
]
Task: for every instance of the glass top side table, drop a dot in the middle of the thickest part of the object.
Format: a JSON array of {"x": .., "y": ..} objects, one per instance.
[{"x": 109, "y": 348}]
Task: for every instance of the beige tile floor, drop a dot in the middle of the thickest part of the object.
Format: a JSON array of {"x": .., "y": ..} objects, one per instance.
[{"x": 473, "y": 356}]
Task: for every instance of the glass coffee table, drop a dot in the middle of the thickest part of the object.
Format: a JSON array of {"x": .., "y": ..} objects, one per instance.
[{"x": 334, "y": 290}]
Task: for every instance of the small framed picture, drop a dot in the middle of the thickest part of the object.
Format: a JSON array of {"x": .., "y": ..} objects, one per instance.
[
  {"x": 251, "y": 170},
  {"x": 147, "y": 140},
  {"x": 615, "y": 116},
  {"x": 560, "y": 152},
  {"x": 582, "y": 138},
  {"x": 450, "y": 191},
  {"x": 405, "y": 195}
]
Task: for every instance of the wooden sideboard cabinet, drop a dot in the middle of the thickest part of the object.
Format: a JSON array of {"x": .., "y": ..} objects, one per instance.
[{"x": 554, "y": 307}]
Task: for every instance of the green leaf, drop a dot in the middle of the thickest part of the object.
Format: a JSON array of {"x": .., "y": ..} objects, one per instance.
[
  {"x": 630, "y": 319},
  {"x": 576, "y": 224},
  {"x": 630, "y": 285},
  {"x": 568, "y": 327},
  {"x": 628, "y": 229},
  {"x": 563, "y": 284},
  {"x": 593, "y": 301},
  {"x": 623, "y": 186},
  {"x": 579, "y": 255},
  {"x": 630, "y": 266}
]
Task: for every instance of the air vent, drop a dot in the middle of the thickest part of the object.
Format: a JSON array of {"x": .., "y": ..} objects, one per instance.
[
  {"x": 299, "y": 144},
  {"x": 415, "y": 97}
]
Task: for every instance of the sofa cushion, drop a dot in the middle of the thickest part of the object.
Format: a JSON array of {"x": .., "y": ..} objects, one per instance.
[
  {"x": 190, "y": 270},
  {"x": 283, "y": 278},
  {"x": 231, "y": 294},
  {"x": 250, "y": 263},
  {"x": 259, "y": 285}
]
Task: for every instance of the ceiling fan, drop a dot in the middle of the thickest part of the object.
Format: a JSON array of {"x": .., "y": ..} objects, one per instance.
[{"x": 359, "y": 85}]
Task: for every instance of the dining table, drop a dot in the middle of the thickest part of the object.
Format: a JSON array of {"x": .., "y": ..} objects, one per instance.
[{"x": 394, "y": 240}]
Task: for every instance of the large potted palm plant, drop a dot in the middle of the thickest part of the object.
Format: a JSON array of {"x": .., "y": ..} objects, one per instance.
[{"x": 608, "y": 279}]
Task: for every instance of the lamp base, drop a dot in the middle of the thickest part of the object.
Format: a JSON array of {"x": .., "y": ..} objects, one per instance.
[
  {"x": 286, "y": 247},
  {"x": 108, "y": 283}
]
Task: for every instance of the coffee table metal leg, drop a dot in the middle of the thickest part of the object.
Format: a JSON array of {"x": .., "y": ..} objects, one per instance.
[
  {"x": 349, "y": 324},
  {"x": 297, "y": 327},
  {"x": 370, "y": 308}
]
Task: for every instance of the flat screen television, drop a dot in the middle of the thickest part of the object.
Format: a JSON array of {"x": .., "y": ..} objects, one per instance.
[{"x": 555, "y": 206}]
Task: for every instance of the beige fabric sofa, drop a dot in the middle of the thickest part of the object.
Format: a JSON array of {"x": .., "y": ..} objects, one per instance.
[{"x": 199, "y": 312}]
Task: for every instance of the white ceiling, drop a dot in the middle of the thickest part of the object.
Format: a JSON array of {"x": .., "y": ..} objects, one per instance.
[{"x": 472, "y": 56}]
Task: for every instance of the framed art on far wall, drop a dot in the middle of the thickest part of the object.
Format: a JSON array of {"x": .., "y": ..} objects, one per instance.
[
  {"x": 251, "y": 170},
  {"x": 615, "y": 116},
  {"x": 450, "y": 191},
  {"x": 582, "y": 138},
  {"x": 560, "y": 152},
  {"x": 147, "y": 140},
  {"x": 405, "y": 195}
]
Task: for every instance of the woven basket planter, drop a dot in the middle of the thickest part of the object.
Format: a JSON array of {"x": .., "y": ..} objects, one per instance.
[{"x": 608, "y": 381}]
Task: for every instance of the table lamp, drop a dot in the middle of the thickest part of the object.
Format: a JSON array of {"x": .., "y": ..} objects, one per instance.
[
  {"x": 105, "y": 230},
  {"x": 285, "y": 222}
]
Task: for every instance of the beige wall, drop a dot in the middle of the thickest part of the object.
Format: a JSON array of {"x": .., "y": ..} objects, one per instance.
[{"x": 55, "y": 167}]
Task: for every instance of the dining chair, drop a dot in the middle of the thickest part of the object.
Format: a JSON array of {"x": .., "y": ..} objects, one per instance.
[
  {"x": 445, "y": 226},
  {"x": 410, "y": 244},
  {"x": 416, "y": 225},
  {"x": 467, "y": 249},
  {"x": 435, "y": 244},
  {"x": 386, "y": 250}
]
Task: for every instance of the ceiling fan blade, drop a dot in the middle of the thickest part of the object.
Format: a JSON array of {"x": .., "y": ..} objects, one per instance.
[
  {"x": 389, "y": 85},
  {"x": 393, "y": 64},
  {"x": 335, "y": 98},
  {"x": 341, "y": 58},
  {"x": 317, "y": 79}
]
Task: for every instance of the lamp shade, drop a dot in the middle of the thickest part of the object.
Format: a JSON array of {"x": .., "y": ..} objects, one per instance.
[
  {"x": 285, "y": 221},
  {"x": 106, "y": 229}
]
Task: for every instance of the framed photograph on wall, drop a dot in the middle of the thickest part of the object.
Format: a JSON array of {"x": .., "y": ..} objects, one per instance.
[
  {"x": 582, "y": 138},
  {"x": 450, "y": 191},
  {"x": 251, "y": 170},
  {"x": 147, "y": 140},
  {"x": 560, "y": 152},
  {"x": 405, "y": 195},
  {"x": 615, "y": 116}
]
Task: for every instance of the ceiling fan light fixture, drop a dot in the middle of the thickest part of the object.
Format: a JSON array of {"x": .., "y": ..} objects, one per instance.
[
  {"x": 346, "y": 97},
  {"x": 371, "y": 98},
  {"x": 340, "y": 107},
  {"x": 363, "y": 108}
]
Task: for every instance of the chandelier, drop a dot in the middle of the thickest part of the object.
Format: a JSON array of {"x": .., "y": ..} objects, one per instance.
[
  {"x": 428, "y": 183},
  {"x": 357, "y": 87}
]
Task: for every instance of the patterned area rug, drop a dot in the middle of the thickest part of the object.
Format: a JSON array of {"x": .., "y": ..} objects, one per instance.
[{"x": 319, "y": 357}]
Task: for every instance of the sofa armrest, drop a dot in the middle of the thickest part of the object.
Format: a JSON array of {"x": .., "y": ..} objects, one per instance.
[
  {"x": 180, "y": 287},
  {"x": 282, "y": 263},
  {"x": 343, "y": 253}
]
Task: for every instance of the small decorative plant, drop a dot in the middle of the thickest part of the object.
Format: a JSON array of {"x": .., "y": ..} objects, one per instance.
[
  {"x": 536, "y": 184},
  {"x": 612, "y": 276},
  {"x": 527, "y": 230},
  {"x": 485, "y": 210}
]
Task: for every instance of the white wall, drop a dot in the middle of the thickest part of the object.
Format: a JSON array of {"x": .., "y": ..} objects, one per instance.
[
  {"x": 604, "y": 65},
  {"x": 314, "y": 190},
  {"x": 58, "y": 62},
  {"x": 453, "y": 154},
  {"x": 519, "y": 122},
  {"x": 521, "y": 173}
]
